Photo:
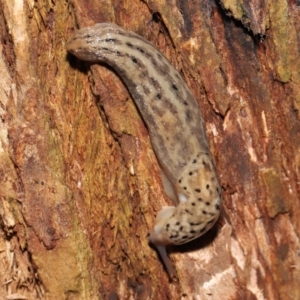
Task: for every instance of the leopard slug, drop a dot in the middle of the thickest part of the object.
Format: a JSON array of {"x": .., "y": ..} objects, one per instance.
[{"x": 175, "y": 126}]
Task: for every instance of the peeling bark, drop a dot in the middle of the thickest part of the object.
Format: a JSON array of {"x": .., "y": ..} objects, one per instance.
[{"x": 80, "y": 184}]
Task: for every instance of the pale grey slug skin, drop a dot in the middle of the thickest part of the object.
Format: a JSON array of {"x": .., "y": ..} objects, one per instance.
[{"x": 175, "y": 125}]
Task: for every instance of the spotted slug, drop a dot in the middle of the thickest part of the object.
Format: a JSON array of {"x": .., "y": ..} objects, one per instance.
[{"x": 175, "y": 126}]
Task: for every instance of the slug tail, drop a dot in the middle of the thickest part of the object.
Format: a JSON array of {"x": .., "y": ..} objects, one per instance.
[{"x": 163, "y": 254}]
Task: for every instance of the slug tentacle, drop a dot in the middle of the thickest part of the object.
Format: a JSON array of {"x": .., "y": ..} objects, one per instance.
[{"x": 175, "y": 125}]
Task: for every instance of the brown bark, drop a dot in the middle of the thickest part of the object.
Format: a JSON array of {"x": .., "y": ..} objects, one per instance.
[{"x": 79, "y": 182}]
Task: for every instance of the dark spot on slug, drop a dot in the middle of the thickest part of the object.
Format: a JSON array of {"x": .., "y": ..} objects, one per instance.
[
  {"x": 187, "y": 211},
  {"x": 140, "y": 49},
  {"x": 195, "y": 224},
  {"x": 204, "y": 212},
  {"x": 158, "y": 96},
  {"x": 193, "y": 203},
  {"x": 118, "y": 53},
  {"x": 185, "y": 237},
  {"x": 207, "y": 186},
  {"x": 129, "y": 44},
  {"x": 188, "y": 116},
  {"x": 179, "y": 180},
  {"x": 211, "y": 214},
  {"x": 192, "y": 231},
  {"x": 159, "y": 56},
  {"x": 146, "y": 90},
  {"x": 198, "y": 190},
  {"x": 194, "y": 161},
  {"x": 154, "y": 63},
  {"x": 177, "y": 223},
  {"x": 174, "y": 87},
  {"x": 110, "y": 40},
  {"x": 181, "y": 227},
  {"x": 203, "y": 229},
  {"x": 217, "y": 207},
  {"x": 168, "y": 225},
  {"x": 191, "y": 173},
  {"x": 207, "y": 203},
  {"x": 200, "y": 199},
  {"x": 104, "y": 48},
  {"x": 185, "y": 103},
  {"x": 134, "y": 59}
]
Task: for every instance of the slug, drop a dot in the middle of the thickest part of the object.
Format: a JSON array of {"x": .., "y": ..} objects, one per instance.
[{"x": 175, "y": 126}]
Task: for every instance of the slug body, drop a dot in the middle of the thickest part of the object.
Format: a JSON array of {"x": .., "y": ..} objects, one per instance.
[{"x": 175, "y": 125}]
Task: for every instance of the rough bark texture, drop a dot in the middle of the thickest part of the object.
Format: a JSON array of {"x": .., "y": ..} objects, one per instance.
[{"x": 79, "y": 182}]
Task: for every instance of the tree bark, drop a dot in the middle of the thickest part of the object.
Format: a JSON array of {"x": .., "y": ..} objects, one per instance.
[{"x": 79, "y": 182}]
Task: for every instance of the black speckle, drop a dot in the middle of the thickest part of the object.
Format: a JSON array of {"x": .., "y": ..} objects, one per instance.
[
  {"x": 207, "y": 203},
  {"x": 104, "y": 48},
  {"x": 195, "y": 224},
  {"x": 217, "y": 207},
  {"x": 154, "y": 63},
  {"x": 192, "y": 231},
  {"x": 203, "y": 229},
  {"x": 211, "y": 214},
  {"x": 207, "y": 186},
  {"x": 168, "y": 225},
  {"x": 187, "y": 211},
  {"x": 200, "y": 199},
  {"x": 129, "y": 44},
  {"x": 177, "y": 223},
  {"x": 140, "y": 49},
  {"x": 204, "y": 212},
  {"x": 191, "y": 173},
  {"x": 198, "y": 190},
  {"x": 134, "y": 59},
  {"x": 184, "y": 187},
  {"x": 118, "y": 53},
  {"x": 188, "y": 115},
  {"x": 185, "y": 103},
  {"x": 194, "y": 161},
  {"x": 158, "y": 96},
  {"x": 174, "y": 235},
  {"x": 193, "y": 203},
  {"x": 174, "y": 87},
  {"x": 159, "y": 56},
  {"x": 179, "y": 180},
  {"x": 181, "y": 227},
  {"x": 110, "y": 40},
  {"x": 185, "y": 237}
]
